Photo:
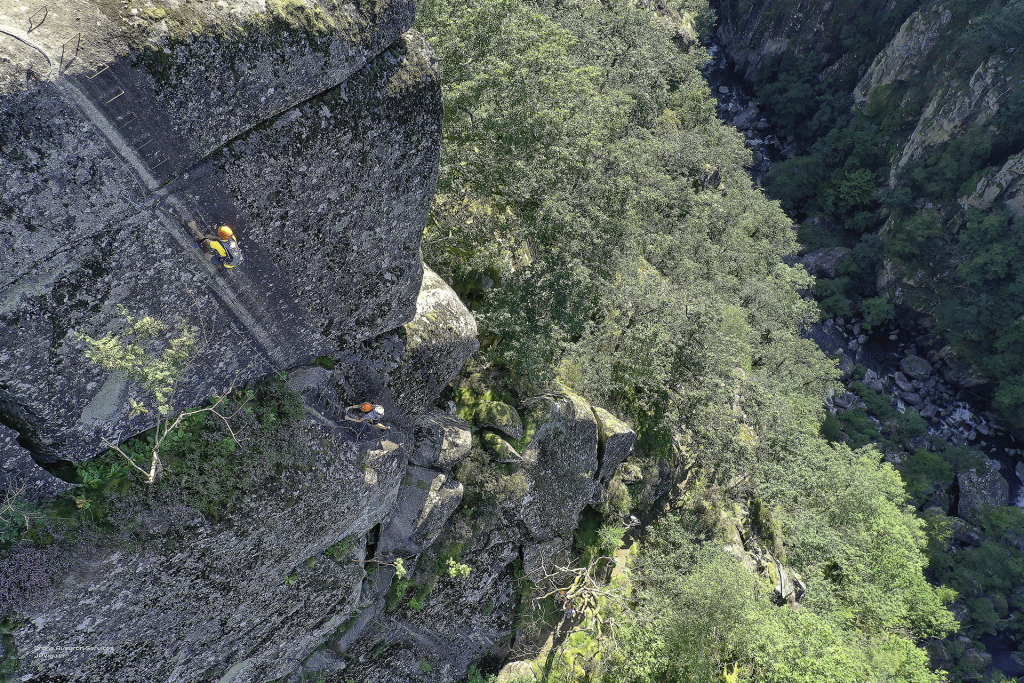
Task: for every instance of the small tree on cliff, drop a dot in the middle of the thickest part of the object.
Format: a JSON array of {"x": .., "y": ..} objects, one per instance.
[{"x": 138, "y": 356}]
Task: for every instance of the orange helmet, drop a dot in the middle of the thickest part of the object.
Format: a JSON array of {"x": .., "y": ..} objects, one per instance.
[
  {"x": 367, "y": 407},
  {"x": 225, "y": 232}
]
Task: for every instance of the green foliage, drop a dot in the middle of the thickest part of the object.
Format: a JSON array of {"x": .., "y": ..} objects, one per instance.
[
  {"x": 877, "y": 404},
  {"x": 457, "y": 570},
  {"x": 325, "y": 362},
  {"x": 924, "y": 473},
  {"x": 830, "y": 428}
]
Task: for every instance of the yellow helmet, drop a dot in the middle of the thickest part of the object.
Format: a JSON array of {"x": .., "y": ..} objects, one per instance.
[{"x": 225, "y": 232}]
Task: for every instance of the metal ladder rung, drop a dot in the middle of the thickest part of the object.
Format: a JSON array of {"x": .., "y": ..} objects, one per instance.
[
  {"x": 107, "y": 66},
  {"x": 121, "y": 92}
]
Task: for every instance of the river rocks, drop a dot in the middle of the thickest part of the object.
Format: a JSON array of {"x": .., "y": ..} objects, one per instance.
[
  {"x": 916, "y": 367},
  {"x": 980, "y": 488},
  {"x": 500, "y": 417},
  {"x": 438, "y": 342},
  {"x": 561, "y": 462},
  {"x": 746, "y": 118},
  {"x": 823, "y": 262}
]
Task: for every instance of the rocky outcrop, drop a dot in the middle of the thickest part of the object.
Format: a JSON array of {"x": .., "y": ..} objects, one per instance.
[
  {"x": 560, "y": 462},
  {"x": 981, "y": 488},
  {"x": 111, "y": 151},
  {"x": 907, "y": 54},
  {"x": 954, "y": 108},
  {"x": 426, "y": 500},
  {"x": 236, "y": 599},
  {"x": 1003, "y": 187},
  {"x": 615, "y": 443},
  {"x": 438, "y": 342},
  {"x": 442, "y": 440}
]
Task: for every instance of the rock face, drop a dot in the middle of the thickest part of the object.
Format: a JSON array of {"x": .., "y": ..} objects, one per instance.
[
  {"x": 980, "y": 487},
  {"x": 235, "y": 599},
  {"x": 906, "y": 55},
  {"x": 438, "y": 342},
  {"x": 104, "y": 158},
  {"x": 755, "y": 31},
  {"x": 561, "y": 462},
  {"x": 1003, "y": 186}
]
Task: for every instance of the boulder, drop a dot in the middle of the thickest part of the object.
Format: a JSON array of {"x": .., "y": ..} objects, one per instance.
[
  {"x": 847, "y": 366},
  {"x": 916, "y": 367},
  {"x": 500, "y": 417},
  {"x": 959, "y": 371},
  {"x": 823, "y": 262},
  {"x": 911, "y": 398},
  {"x": 438, "y": 342},
  {"x": 501, "y": 450},
  {"x": 981, "y": 487},
  {"x": 560, "y": 463},
  {"x": 745, "y": 119},
  {"x": 442, "y": 440},
  {"x": 19, "y": 473},
  {"x": 902, "y": 382},
  {"x": 974, "y": 664},
  {"x": 426, "y": 499},
  {"x": 615, "y": 443}
]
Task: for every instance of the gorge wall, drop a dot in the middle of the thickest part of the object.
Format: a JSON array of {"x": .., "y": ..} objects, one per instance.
[{"x": 315, "y": 134}]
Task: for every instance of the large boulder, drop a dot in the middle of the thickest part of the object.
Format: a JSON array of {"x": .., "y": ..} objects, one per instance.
[
  {"x": 823, "y": 262},
  {"x": 615, "y": 443},
  {"x": 561, "y": 463},
  {"x": 20, "y": 475},
  {"x": 426, "y": 500},
  {"x": 981, "y": 488},
  {"x": 328, "y": 195},
  {"x": 958, "y": 370},
  {"x": 500, "y": 417},
  {"x": 442, "y": 440},
  {"x": 438, "y": 342},
  {"x": 916, "y": 367}
]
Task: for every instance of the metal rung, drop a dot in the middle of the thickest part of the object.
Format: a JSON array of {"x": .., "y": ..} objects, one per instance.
[
  {"x": 115, "y": 96},
  {"x": 63, "y": 50},
  {"x": 162, "y": 162},
  {"x": 139, "y": 148},
  {"x": 32, "y": 26},
  {"x": 133, "y": 118},
  {"x": 98, "y": 72}
]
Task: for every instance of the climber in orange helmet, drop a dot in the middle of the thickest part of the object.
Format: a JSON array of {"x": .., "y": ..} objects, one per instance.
[{"x": 367, "y": 414}]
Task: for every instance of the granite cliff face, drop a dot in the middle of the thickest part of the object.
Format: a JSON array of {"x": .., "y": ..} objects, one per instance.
[{"x": 314, "y": 133}]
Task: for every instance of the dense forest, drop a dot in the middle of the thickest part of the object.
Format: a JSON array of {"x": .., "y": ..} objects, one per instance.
[{"x": 600, "y": 221}]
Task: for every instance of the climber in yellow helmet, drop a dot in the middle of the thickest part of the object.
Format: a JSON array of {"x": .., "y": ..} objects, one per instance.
[{"x": 223, "y": 250}]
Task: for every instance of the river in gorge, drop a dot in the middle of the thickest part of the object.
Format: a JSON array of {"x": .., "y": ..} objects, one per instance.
[{"x": 903, "y": 360}]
